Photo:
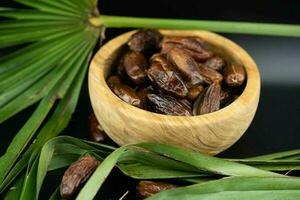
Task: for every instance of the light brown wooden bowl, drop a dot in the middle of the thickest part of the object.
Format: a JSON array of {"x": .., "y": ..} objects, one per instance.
[{"x": 210, "y": 133}]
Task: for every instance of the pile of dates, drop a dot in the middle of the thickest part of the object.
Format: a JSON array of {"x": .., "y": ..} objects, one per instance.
[{"x": 175, "y": 75}]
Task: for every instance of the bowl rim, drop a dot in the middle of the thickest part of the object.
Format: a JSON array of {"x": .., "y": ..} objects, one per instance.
[{"x": 248, "y": 94}]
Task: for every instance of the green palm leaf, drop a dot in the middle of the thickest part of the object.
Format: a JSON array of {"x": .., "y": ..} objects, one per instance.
[
  {"x": 141, "y": 164},
  {"x": 19, "y": 24},
  {"x": 242, "y": 188},
  {"x": 34, "y": 15},
  {"x": 55, "y": 7},
  {"x": 15, "y": 189},
  {"x": 31, "y": 54},
  {"x": 51, "y": 65}
]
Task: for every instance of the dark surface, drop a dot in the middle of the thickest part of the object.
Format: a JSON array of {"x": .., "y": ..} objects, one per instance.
[{"x": 276, "y": 124}]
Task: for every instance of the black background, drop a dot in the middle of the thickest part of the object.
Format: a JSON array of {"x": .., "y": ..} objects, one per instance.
[{"x": 276, "y": 124}]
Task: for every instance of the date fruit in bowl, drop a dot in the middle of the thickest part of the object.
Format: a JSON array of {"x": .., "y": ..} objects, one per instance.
[
  {"x": 179, "y": 69},
  {"x": 194, "y": 89}
]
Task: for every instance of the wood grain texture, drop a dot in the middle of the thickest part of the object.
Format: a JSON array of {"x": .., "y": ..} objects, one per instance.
[{"x": 210, "y": 133}]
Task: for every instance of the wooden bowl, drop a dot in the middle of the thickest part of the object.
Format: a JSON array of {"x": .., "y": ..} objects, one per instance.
[{"x": 210, "y": 133}]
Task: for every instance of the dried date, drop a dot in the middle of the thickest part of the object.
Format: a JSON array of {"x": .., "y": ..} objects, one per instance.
[
  {"x": 145, "y": 40},
  {"x": 199, "y": 57},
  {"x": 186, "y": 65},
  {"x": 142, "y": 94},
  {"x": 166, "y": 47},
  {"x": 124, "y": 92},
  {"x": 224, "y": 95},
  {"x": 183, "y": 77},
  {"x": 166, "y": 79},
  {"x": 186, "y": 103},
  {"x": 215, "y": 63},
  {"x": 135, "y": 64},
  {"x": 147, "y": 189},
  {"x": 121, "y": 69},
  {"x": 234, "y": 74},
  {"x": 96, "y": 131},
  {"x": 193, "y": 46},
  {"x": 210, "y": 75},
  {"x": 194, "y": 92},
  {"x": 168, "y": 105},
  {"x": 76, "y": 175},
  {"x": 160, "y": 58},
  {"x": 209, "y": 101}
]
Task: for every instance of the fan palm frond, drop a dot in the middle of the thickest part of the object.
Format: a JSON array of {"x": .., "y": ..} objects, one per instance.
[{"x": 56, "y": 41}]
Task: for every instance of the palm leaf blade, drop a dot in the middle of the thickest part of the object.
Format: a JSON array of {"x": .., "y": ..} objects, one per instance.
[
  {"x": 56, "y": 123},
  {"x": 25, "y": 37},
  {"x": 54, "y": 7},
  {"x": 33, "y": 30},
  {"x": 75, "y": 6},
  {"x": 28, "y": 190},
  {"x": 55, "y": 195},
  {"x": 40, "y": 88},
  {"x": 243, "y": 188},
  {"x": 143, "y": 171},
  {"x": 22, "y": 138},
  {"x": 29, "y": 97},
  {"x": 40, "y": 62},
  {"x": 34, "y": 15},
  {"x": 204, "y": 162},
  {"x": 24, "y": 55},
  {"x": 19, "y": 136},
  {"x": 52, "y": 67},
  {"x": 12, "y": 24},
  {"x": 281, "y": 155},
  {"x": 15, "y": 191}
]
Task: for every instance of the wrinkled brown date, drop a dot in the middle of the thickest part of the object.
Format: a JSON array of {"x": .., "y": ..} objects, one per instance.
[
  {"x": 135, "y": 64},
  {"x": 234, "y": 74},
  {"x": 186, "y": 65},
  {"x": 124, "y": 92},
  {"x": 182, "y": 77},
  {"x": 168, "y": 105},
  {"x": 121, "y": 69},
  {"x": 224, "y": 95},
  {"x": 167, "y": 80},
  {"x": 96, "y": 132},
  {"x": 160, "y": 58},
  {"x": 113, "y": 80},
  {"x": 210, "y": 75},
  {"x": 215, "y": 63},
  {"x": 147, "y": 189},
  {"x": 186, "y": 103},
  {"x": 194, "y": 92},
  {"x": 145, "y": 40},
  {"x": 166, "y": 47},
  {"x": 142, "y": 94},
  {"x": 209, "y": 101},
  {"x": 193, "y": 46},
  {"x": 76, "y": 175},
  {"x": 196, "y": 56}
]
